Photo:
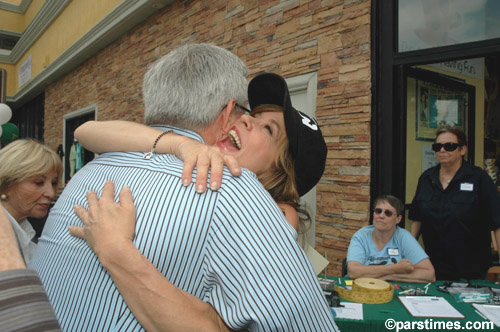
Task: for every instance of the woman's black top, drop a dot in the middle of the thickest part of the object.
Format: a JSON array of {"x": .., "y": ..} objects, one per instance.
[{"x": 456, "y": 222}]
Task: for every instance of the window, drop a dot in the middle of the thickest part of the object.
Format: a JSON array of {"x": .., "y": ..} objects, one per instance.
[{"x": 426, "y": 24}]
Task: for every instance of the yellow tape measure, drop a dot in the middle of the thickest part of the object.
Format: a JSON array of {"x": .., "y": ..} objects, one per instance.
[{"x": 367, "y": 290}]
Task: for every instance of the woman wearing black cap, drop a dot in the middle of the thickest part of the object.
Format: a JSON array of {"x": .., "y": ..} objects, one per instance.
[
  {"x": 281, "y": 145},
  {"x": 288, "y": 168}
]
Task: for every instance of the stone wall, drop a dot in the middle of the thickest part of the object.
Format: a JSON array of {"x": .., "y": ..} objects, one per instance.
[{"x": 289, "y": 37}]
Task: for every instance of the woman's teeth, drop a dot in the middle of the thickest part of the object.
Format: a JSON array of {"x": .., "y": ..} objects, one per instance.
[{"x": 233, "y": 137}]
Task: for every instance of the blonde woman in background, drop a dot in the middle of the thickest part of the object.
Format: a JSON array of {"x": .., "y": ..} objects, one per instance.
[{"x": 29, "y": 175}]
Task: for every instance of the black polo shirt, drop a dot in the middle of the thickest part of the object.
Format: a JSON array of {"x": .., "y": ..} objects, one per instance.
[{"x": 456, "y": 222}]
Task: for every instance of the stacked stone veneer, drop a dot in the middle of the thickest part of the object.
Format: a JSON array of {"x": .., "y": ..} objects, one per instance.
[{"x": 289, "y": 37}]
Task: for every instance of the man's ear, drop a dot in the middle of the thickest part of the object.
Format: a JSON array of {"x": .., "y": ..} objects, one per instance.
[
  {"x": 228, "y": 116},
  {"x": 399, "y": 219}
]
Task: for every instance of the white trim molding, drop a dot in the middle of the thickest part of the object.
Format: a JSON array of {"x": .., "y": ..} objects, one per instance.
[
  {"x": 123, "y": 18},
  {"x": 21, "y": 8},
  {"x": 305, "y": 88},
  {"x": 47, "y": 14}
]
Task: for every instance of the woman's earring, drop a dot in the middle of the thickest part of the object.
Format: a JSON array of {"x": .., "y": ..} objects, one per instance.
[{"x": 3, "y": 197}]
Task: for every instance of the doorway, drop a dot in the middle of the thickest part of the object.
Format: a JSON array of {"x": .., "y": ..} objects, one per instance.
[{"x": 75, "y": 156}]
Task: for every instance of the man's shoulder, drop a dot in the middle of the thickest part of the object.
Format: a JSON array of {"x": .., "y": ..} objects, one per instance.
[
  {"x": 246, "y": 197},
  {"x": 244, "y": 184},
  {"x": 245, "y": 189},
  {"x": 158, "y": 162}
]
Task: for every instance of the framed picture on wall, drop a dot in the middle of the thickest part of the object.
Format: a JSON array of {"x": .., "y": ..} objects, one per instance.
[{"x": 437, "y": 106}]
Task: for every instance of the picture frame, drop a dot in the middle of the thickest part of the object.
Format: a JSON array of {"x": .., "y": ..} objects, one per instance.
[{"x": 436, "y": 106}]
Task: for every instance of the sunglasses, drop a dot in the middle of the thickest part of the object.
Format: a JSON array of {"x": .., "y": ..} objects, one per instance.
[
  {"x": 388, "y": 213},
  {"x": 447, "y": 146},
  {"x": 243, "y": 108}
]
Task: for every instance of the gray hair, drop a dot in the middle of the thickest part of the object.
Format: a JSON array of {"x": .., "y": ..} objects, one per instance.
[{"x": 190, "y": 86}]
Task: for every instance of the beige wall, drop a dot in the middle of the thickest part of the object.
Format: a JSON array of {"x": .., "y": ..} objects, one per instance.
[
  {"x": 12, "y": 22},
  {"x": 330, "y": 37},
  {"x": 31, "y": 12},
  {"x": 16, "y": 22},
  {"x": 70, "y": 25}
]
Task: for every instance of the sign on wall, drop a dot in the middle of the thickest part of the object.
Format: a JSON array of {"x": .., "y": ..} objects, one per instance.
[
  {"x": 24, "y": 73},
  {"x": 428, "y": 157},
  {"x": 470, "y": 67}
]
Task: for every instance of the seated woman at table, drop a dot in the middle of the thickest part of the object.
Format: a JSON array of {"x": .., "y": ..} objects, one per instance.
[{"x": 385, "y": 251}]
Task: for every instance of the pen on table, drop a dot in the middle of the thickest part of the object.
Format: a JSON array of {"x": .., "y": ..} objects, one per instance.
[
  {"x": 426, "y": 287},
  {"x": 406, "y": 291},
  {"x": 480, "y": 314}
]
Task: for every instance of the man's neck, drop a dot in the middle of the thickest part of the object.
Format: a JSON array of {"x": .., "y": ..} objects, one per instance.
[{"x": 210, "y": 134}]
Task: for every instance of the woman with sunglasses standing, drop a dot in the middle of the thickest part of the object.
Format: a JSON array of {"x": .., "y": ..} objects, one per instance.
[
  {"x": 455, "y": 207},
  {"x": 385, "y": 251}
]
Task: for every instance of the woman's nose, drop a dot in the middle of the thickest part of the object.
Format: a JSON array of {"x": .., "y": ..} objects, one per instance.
[
  {"x": 50, "y": 191},
  {"x": 248, "y": 121}
]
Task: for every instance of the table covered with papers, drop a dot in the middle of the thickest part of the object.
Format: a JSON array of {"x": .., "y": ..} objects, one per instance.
[{"x": 421, "y": 312}]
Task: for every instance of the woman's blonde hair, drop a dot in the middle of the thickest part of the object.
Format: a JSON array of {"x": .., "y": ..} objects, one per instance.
[
  {"x": 25, "y": 158},
  {"x": 280, "y": 180}
]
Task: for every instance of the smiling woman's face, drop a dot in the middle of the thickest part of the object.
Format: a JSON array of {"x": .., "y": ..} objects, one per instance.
[{"x": 254, "y": 140}]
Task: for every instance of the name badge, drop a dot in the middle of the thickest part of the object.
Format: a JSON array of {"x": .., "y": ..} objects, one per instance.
[
  {"x": 393, "y": 251},
  {"x": 466, "y": 186}
]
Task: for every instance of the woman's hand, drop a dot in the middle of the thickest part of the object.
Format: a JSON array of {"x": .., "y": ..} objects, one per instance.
[
  {"x": 107, "y": 223},
  {"x": 204, "y": 158}
]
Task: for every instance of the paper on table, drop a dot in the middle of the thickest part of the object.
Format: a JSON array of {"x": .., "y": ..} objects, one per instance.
[
  {"x": 429, "y": 306},
  {"x": 492, "y": 312},
  {"x": 349, "y": 311},
  {"x": 318, "y": 262}
]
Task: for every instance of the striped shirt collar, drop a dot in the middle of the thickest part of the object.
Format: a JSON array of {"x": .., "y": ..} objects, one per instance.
[{"x": 181, "y": 131}]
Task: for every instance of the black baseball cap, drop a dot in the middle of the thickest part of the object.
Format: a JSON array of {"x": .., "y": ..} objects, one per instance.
[{"x": 307, "y": 145}]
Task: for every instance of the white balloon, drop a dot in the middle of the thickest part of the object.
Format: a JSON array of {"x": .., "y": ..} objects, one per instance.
[{"x": 5, "y": 113}]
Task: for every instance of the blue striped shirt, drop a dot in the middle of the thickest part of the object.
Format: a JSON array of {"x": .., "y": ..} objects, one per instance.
[{"x": 231, "y": 248}]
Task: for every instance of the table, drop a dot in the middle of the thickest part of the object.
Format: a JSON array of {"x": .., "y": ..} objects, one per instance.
[{"x": 376, "y": 315}]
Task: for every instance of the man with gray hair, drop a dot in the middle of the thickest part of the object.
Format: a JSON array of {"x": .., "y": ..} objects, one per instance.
[{"x": 231, "y": 248}]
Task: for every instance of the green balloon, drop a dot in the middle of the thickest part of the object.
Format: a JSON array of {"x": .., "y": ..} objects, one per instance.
[{"x": 10, "y": 133}]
